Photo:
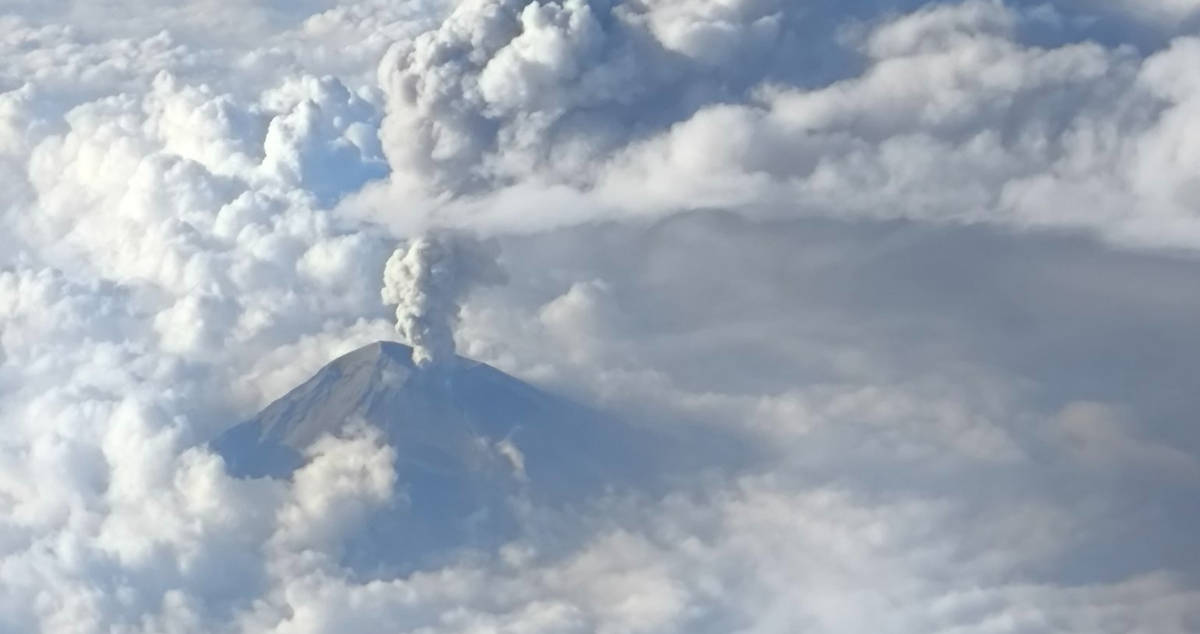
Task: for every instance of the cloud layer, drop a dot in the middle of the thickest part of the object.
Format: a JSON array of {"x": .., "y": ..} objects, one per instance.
[{"x": 935, "y": 262}]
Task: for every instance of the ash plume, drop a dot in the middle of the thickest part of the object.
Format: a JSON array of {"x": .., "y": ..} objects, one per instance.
[{"x": 427, "y": 280}]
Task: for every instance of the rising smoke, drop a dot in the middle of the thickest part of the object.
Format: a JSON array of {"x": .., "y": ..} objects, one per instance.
[{"x": 427, "y": 279}]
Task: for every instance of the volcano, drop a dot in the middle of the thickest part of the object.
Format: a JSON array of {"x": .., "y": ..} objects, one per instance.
[{"x": 474, "y": 446}]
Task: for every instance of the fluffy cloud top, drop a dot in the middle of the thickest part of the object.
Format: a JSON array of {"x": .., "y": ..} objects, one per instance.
[{"x": 502, "y": 90}]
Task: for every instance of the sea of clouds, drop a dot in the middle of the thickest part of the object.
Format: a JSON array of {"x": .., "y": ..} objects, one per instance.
[{"x": 938, "y": 261}]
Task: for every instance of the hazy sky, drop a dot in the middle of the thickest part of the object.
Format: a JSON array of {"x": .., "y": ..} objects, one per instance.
[{"x": 936, "y": 263}]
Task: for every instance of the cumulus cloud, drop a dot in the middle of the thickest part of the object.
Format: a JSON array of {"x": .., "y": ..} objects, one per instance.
[
  {"x": 505, "y": 89},
  {"x": 427, "y": 279},
  {"x": 331, "y": 494},
  {"x": 950, "y": 113},
  {"x": 953, "y": 120}
]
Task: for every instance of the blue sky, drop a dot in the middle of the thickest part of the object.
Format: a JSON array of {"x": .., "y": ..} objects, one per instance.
[{"x": 931, "y": 264}]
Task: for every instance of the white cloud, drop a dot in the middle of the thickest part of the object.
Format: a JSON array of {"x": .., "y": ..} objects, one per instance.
[
  {"x": 332, "y": 493},
  {"x": 503, "y": 90}
]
